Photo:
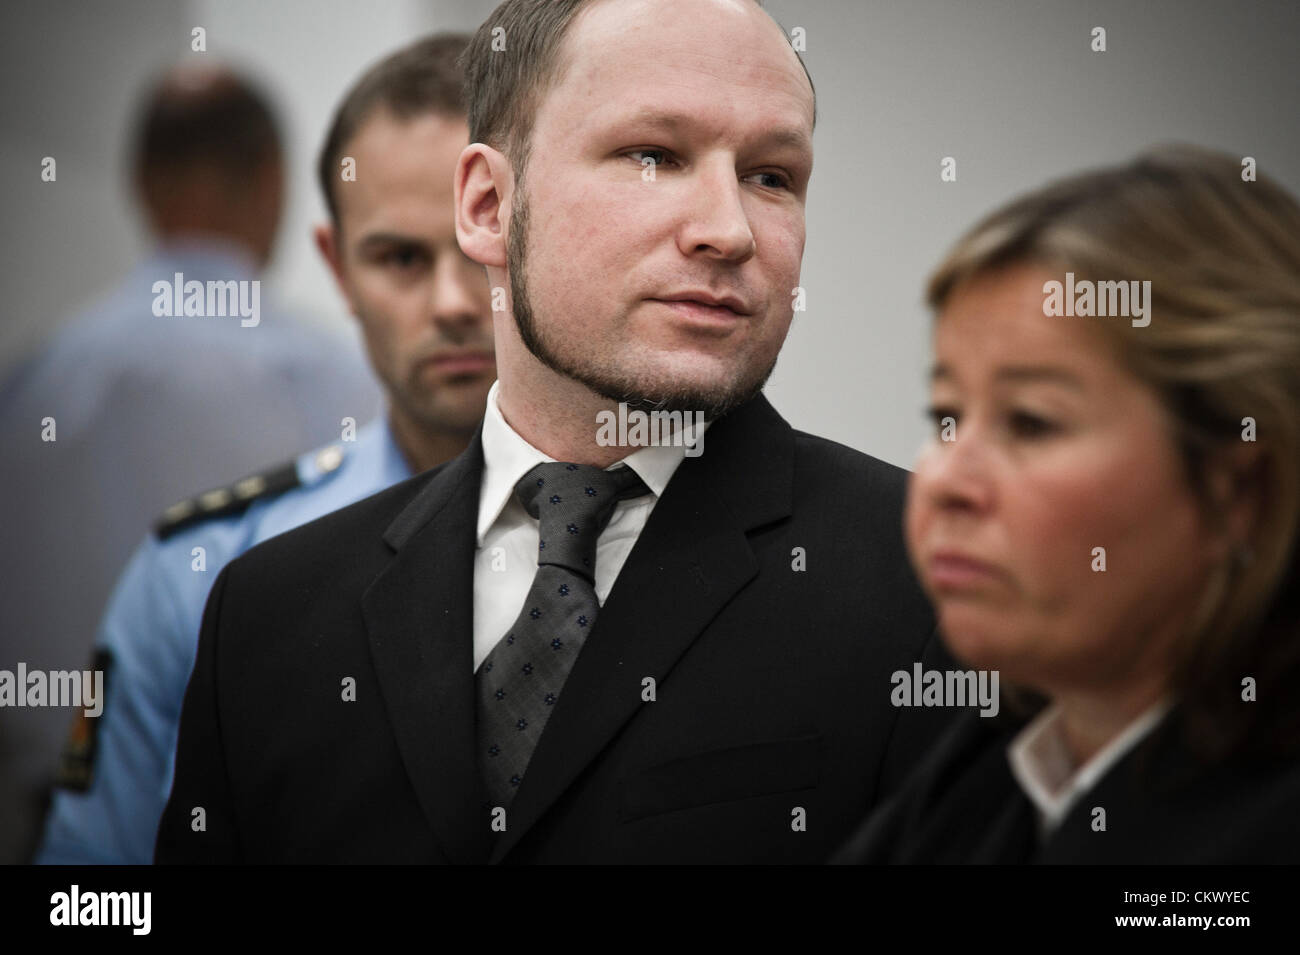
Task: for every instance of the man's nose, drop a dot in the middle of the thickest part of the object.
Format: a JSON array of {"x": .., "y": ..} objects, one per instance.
[
  {"x": 716, "y": 223},
  {"x": 459, "y": 295}
]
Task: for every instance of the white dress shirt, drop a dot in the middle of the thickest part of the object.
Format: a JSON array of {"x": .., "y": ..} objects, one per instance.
[
  {"x": 1042, "y": 764},
  {"x": 506, "y": 559}
]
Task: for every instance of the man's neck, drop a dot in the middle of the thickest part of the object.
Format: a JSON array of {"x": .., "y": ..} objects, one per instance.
[
  {"x": 424, "y": 448},
  {"x": 559, "y": 420}
]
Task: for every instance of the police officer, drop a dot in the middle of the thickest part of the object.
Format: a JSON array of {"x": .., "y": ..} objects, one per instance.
[
  {"x": 424, "y": 309},
  {"x": 134, "y": 402}
]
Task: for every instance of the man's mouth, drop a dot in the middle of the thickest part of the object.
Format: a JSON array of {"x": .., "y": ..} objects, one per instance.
[
  {"x": 461, "y": 362},
  {"x": 720, "y": 304}
]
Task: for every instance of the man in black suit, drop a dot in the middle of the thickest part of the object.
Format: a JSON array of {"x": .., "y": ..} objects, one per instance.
[{"x": 401, "y": 681}]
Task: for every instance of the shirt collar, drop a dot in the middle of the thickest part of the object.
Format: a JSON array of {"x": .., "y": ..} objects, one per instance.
[
  {"x": 1046, "y": 772},
  {"x": 507, "y": 457}
]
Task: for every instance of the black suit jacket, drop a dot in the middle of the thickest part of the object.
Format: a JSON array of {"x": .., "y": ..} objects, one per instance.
[
  {"x": 772, "y": 695},
  {"x": 1163, "y": 805}
]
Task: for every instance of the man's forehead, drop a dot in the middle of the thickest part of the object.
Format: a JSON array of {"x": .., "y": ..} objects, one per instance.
[
  {"x": 403, "y": 152},
  {"x": 406, "y": 168},
  {"x": 618, "y": 51},
  {"x": 773, "y": 127},
  {"x": 383, "y": 129}
]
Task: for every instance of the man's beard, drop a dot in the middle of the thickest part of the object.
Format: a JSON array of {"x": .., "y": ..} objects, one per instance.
[{"x": 607, "y": 382}]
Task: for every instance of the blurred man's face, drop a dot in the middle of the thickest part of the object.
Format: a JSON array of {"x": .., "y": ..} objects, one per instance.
[
  {"x": 261, "y": 195},
  {"x": 671, "y": 162},
  {"x": 423, "y": 306}
]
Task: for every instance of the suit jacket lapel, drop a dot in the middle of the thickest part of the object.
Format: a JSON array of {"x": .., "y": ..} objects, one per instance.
[
  {"x": 418, "y": 614},
  {"x": 689, "y": 561}
]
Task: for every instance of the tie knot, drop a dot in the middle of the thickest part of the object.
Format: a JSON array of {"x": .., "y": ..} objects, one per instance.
[{"x": 573, "y": 503}]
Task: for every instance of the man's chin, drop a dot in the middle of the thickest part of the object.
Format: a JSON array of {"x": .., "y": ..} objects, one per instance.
[
  {"x": 685, "y": 393},
  {"x": 455, "y": 409},
  {"x": 650, "y": 376}
]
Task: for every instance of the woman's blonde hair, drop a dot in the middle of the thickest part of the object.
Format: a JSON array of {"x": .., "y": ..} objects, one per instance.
[{"x": 1221, "y": 249}]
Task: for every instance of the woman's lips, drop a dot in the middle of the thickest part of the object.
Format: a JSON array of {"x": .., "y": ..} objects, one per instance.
[{"x": 951, "y": 570}]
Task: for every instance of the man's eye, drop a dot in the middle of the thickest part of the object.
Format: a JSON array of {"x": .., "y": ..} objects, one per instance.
[
  {"x": 659, "y": 157},
  {"x": 402, "y": 258},
  {"x": 656, "y": 157},
  {"x": 781, "y": 181}
]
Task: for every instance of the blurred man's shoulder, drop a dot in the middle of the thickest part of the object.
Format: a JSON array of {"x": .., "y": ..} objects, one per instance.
[{"x": 274, "y": 500}]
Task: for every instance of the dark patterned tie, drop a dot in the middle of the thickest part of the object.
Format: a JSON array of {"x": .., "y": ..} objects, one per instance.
[{"x": 520, "y": 680}]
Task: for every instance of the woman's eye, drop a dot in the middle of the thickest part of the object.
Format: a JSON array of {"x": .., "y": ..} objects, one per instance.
[
  {"x": 1026, "y": 425},
  {"x": 941, "y": 416}
]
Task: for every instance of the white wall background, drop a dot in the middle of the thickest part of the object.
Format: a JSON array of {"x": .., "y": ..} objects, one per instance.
[{"x": 1007, "y": 87}]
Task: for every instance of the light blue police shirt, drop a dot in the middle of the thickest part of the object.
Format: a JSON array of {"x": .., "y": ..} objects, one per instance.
[
  {"x": 119, "y": 414},
  {"x": 151, "y": 628}
]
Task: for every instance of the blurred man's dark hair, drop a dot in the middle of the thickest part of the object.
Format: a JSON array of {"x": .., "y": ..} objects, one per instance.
[{"x": 207, "y": 158}]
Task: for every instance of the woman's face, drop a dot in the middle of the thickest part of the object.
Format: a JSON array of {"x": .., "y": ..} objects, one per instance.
[{"x": 1061, "y": 463}]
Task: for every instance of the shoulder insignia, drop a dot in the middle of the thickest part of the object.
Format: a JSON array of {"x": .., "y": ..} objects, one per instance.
[
  {"x": 225, "y": 501},
  {"x": 77, "y": 762},
  {"x": 329, "y": 459}
]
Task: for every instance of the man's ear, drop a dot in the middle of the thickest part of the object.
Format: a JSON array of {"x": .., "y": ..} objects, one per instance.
[
  {"x": 326, "y": 237},
  {"x": 483, "y": 192}
]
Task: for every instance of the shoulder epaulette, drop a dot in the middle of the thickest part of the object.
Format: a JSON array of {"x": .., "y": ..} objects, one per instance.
[{"x": 225, "y": 501}]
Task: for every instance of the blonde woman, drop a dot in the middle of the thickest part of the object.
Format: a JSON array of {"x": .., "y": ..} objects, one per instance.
[{"x": 1108, "y": 517}]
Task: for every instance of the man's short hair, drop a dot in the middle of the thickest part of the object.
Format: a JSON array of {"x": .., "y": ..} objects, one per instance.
[
  {"x": 504, "y": 88},
  {"x": 423, "y": 78},
  {"x": 208, "y": 117}
]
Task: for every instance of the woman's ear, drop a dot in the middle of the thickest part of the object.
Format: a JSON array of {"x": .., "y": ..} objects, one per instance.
[{"x": 1235, "y": 481}]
